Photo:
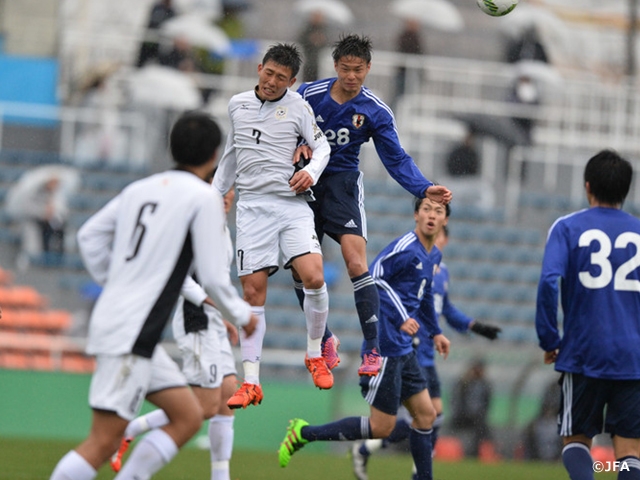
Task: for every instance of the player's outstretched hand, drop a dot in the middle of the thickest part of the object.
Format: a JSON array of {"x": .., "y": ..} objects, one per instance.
[
  {"x": 442, "y": 345},
  {"x": 439, "y": 193},
  {"x": 250, "y": 327},
  {"x": 489, "y": 331}
]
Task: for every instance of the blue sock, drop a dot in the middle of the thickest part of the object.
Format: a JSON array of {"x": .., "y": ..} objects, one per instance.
[
  {"x": 349, "y": 428},
  {"x": 298, "y": 287},
  {"x": 420, "y": 444},
  {"x": 400, "y": 431},
  {"x": 631, "y": 468},
  {"x": 577, "y": 460},
  {"x": 368, "y": 307}
]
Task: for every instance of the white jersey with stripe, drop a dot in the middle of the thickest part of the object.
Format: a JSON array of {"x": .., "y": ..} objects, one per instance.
[
  {"x": 141, "y": 245},
  {"x": 258, "y": 156}
]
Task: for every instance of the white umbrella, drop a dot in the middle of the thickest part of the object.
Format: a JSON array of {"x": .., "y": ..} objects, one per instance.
[
  {"x": 541, "y": 72},
  {"x": 334, "y": 11},
  {"x": 198, "y": 31},
  {"x": 21, "y": 195},
  {"x": 164, "y": 87},
  {"x": 440, "y": 14}
]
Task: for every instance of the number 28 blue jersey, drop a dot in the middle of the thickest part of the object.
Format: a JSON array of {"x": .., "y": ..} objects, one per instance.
[
  {"x": 596, "y": 254},
  {"x": 347, "y": 126}
]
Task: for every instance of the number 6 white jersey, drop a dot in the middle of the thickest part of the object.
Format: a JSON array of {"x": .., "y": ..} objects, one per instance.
[
  {"x": 258, "y": 155},
  {"x": 596, "y": 254},
  {"x": 141, "y": 245}
]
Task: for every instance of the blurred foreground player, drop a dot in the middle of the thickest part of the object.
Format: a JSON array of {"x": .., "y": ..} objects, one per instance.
[{"x": 140, "y": 247}]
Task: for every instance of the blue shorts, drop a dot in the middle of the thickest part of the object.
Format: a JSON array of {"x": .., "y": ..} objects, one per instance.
[
  {"x": 339, "y": 205},
  {"x": 583, "y": 402},
  {"x": 399, "y": 379},
  {"x": 433, "y": 381}
]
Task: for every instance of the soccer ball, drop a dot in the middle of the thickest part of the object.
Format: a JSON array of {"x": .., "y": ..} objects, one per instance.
[{"x": 497, "y": 8}]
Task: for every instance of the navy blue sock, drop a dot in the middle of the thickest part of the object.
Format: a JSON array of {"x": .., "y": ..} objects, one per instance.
[
  {"x": 368, "y": 307},
  {"x": 420, "y": 444},
  {"x": 629, "y": 468},
  {"x": 298, "y": 288},
  {"x": 577, "y": 460},
  {"x": 436, "y": 429},
  {"x": 349, "y": 428},
  {"x": 400, "y": 431}
]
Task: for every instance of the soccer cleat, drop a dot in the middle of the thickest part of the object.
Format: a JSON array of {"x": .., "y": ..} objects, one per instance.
[
  {"x": 322, "y": 376},
  {"x": 247, "y": 394},
  {"x": 359, "y": 462},
  {"x": 371, "y": 363},
  {"x": 292, "y": 442},
  {"x": 330, "y": 352},
  {"x": 116, "y": 459}
]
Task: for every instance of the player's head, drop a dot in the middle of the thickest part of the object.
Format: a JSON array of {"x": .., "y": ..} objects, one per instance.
[
  {"x": 194, "y": 139},
  {"x": 430, "y": 217},
  {"x": 278, "y": 71},
  {"x": 607, "y": 178},
  {"x": 418, "y": 201},
  {"x": 352, "y": 62}
]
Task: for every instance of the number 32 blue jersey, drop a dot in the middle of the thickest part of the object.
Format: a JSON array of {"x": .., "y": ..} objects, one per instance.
[
  {"x": 596, "y": 254},
  {"x": 347, "y": 126}
]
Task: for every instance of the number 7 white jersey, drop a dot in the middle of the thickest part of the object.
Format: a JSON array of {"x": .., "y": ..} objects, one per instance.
[
  {"x": 141, "y": 245},
  {"x": 258, "y": 155}
]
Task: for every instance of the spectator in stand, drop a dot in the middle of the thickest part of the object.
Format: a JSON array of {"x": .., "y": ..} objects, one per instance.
[
  {"x": 160, "y": 13},
  {"x": 312, "y": 40},
  {"x": 409, "y": 42},
  {"x": 470, "y": 402}
]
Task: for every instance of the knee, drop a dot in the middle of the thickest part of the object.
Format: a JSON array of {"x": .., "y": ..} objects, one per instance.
[
  {"x": 315, "y": 280},
  {"x": 381, "y": 429},
  {"x": 210, "y": 411},
  {"x": 193, "y": 420},
  {"x": 425, "y": 418},
  {"x": 356, "y": 266}
]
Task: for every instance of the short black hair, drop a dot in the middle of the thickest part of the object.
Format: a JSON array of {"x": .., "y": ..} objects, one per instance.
[
  {"x": 194, "y": 138},
  {"x": 417, "y": 201},
  {"x": 352, "y": 45},
  {"x": 285, "y": 54},
  {"x": 609, "y": 176}
]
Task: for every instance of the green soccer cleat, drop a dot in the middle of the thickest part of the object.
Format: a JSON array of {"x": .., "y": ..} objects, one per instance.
[{"x": 293, "y": 441}]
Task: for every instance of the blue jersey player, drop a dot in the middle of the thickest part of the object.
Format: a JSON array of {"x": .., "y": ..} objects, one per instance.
[
  {"x": 425, "y": 351},
  {"x": 595, "y": 254},
  {"x": 403, "y": 273},
  {"x": 350, "y": 115}
]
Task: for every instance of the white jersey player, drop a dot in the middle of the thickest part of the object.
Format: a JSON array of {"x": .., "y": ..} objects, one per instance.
[
  {"x": 204, "y": 339},
  {"x": 273, "y": 220},
  {"x": 140, "y": 247}
]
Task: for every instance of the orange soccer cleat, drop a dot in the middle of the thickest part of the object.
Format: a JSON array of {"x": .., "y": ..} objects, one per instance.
[
  {"x": 247, "y": 394},
  {"x": 116, "y": 460},
  {"x": 322, "y": 376}
]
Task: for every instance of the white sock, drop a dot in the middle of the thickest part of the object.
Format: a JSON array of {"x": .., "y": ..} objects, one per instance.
[
  {"x": 251, "y": 348},
  {"x": 221, "y": 437},
  {"x": 373, "y": 444},
  {"x": 316, "y": 309},
  {"x": 73, "y": 466},
  {"x": 143, "y": 424},
  {"x": 150, "y": 454}
]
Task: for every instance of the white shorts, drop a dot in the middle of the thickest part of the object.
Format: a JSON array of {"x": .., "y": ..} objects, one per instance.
[
  {"x": 121, "y": 382},
  {"x": 206, "y": 358},
  {"x": 273, "y": 230}
]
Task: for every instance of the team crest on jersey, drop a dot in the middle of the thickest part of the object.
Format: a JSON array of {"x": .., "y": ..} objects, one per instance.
[
  {"x": 281, "y": 113},
  {"x": 357, "y": 120}
]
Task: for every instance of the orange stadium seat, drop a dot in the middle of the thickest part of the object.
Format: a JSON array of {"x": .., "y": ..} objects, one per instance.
[{"x": 15, "y": 360}]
